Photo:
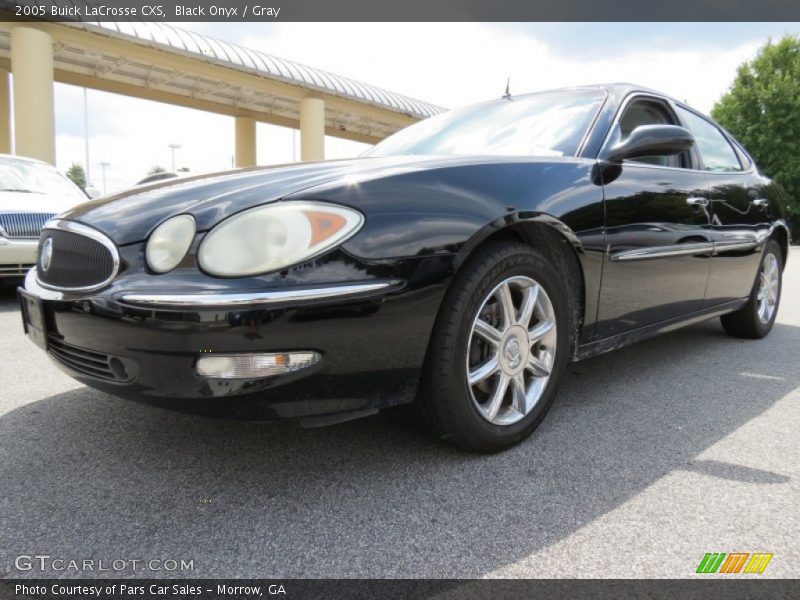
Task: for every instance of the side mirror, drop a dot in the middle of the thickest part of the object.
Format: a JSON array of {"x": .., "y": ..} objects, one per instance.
[{"x": 652, "y": 140}]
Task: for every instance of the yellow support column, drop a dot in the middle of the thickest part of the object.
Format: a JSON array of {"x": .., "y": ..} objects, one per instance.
[
  {"x": 312, "y": 129},
  {"x": 5, "y": 114},
  {"x": 245, "y": 142},
  {"x": 32, "y": 68}
]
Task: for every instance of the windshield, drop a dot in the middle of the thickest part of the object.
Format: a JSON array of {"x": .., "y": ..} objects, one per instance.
[
  {"x": 543, "y": 124},
  {"x": 35, "y": 178}
]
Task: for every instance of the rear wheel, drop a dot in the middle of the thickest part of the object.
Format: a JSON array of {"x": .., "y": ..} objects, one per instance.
[
  {"x": 756, "y": 318},
  {"x": 498, "y": 349}
]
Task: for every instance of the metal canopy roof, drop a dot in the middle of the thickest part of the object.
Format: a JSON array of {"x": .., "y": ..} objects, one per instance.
[
  {"x": 164, "y": 63},
  {"x": 174, "y": 39}
]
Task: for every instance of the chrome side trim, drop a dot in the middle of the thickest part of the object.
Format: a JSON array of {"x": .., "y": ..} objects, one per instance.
[
  {"x": 77, "y": 228},
  {"x": 663, "y": 251},
  {"x": 255, "y": 298},
  {"x": 713, "y": 248},
  {"x": 734, "y": 245}
]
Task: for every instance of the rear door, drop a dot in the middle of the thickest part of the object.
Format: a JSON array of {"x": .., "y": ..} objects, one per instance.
[
  {"x": 658, "y": 240},
  {"x": 738, "y": 209}
]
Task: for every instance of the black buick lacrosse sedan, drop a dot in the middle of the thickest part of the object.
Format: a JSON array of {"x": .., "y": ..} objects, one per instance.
[{"x": 460, "y": 264}]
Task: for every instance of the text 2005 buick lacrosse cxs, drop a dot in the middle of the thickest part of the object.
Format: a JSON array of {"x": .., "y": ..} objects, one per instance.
[{"x": 459, "y": 264}]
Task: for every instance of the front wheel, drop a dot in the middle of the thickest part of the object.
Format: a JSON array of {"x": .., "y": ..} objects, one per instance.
[
  {"x": 756, "y": 318},
  {"x": 498, "y": 349}
]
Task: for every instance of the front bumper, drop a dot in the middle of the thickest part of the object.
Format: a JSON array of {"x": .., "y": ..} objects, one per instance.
[
  {"x": 17, "y": 256},
  {"x": 372, "y": 337}
]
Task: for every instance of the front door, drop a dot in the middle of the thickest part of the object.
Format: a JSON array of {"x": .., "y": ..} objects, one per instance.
[{"x": 658, "y": 240}]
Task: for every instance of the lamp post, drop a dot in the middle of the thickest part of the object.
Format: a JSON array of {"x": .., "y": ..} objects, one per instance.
[
  {"x": 104, "y": 165},
  {"x": 174, "y": 147}
]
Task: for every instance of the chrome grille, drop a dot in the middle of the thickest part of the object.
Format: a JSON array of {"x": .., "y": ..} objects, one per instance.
[
  {"x": 23, "y": 225},
  {"x": 75, "y": 257}
]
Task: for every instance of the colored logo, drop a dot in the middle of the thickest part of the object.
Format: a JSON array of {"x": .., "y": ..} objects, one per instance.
[{"x": 734, "y": 562}]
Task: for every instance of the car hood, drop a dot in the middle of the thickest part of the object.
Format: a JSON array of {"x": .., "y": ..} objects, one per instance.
[
  {"x": 24, "y": 202},
  {"x": 131, "y": 215}
]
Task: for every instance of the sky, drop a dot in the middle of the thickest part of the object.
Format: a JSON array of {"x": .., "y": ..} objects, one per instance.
[{"x": 449, "y": 64}]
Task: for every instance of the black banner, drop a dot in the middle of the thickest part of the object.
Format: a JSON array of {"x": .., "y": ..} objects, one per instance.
[
  {"x": 361, "y": 589},
  {"x": 405, "y": 10}
]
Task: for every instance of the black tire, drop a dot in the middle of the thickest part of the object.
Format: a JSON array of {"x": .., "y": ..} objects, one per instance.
[
  {"x": 746, "y": 322},
  {"x": 445, "y": 404}
]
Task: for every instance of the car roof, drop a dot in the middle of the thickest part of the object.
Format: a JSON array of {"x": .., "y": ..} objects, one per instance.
[
  {"x": 623, "y": 87},
  {"x": 618, "y": 90}
]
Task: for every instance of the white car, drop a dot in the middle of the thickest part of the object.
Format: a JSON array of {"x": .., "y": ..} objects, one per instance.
[{"x": 31, "y": 193}]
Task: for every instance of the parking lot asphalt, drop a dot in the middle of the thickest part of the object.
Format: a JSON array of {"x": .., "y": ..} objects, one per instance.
[{"x": 652, "y": 456}]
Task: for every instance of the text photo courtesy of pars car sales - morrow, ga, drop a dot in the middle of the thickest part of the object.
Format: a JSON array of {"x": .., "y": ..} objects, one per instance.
[{"x": 357, "y": 300}]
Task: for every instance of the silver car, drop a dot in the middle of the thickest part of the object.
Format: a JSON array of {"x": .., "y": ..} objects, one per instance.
[{"x": 31, "y": 193}]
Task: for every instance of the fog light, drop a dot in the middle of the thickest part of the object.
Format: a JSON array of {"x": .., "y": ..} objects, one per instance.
[{"x": 250, "y": 366}]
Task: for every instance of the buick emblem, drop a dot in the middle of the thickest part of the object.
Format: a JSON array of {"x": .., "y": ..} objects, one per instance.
[
  {"x": 47, "y": 254},
  {"x": 513, "y": 353}
]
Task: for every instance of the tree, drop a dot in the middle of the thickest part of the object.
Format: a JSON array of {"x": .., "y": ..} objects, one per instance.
[
  {"x": 77, "y": 175},
  {"x": 156, "y": 169},
  {"x": 762, "y": 110}
]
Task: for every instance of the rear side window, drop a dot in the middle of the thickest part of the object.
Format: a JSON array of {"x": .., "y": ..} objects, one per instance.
[
  {"x": 744, "y": 157},
  {"x": 717, "y": 154}
]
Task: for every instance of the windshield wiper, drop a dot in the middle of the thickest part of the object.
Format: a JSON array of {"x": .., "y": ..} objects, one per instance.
[{"x": 20, "y": 190}]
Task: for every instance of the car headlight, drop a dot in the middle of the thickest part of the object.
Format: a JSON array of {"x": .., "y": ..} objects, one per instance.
[
  {"x": 169, "y": 243},
  {"x": 275, "y": 236}
]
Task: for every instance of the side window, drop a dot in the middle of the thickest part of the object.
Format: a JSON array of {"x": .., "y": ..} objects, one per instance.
[
  {"x": 647, "y": 112},
  {"x": 714, "y": 149},
  {"x": 744, "y": 157}
]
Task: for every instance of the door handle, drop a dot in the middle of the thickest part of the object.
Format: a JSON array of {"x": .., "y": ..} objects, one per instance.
[
  {"x": 697, "y": 201},
  {"x": 760, "y": 202}
]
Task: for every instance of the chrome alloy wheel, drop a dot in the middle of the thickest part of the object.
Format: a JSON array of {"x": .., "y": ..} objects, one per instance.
[
  {"x": 511, "y": 350},
  {"x": 768, "y": 287}
]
